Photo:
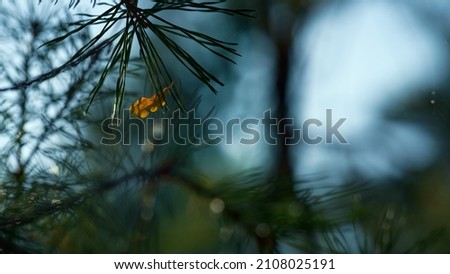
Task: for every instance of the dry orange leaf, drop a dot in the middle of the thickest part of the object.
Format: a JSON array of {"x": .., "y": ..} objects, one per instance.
[{"x": 145, "y": 105}]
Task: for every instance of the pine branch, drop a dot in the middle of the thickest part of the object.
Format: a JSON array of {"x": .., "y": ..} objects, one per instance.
[{"x": 137, "y": 22}]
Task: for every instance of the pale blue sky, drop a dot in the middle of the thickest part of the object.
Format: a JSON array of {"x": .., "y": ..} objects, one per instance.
[{"x": 361, "y": 58}]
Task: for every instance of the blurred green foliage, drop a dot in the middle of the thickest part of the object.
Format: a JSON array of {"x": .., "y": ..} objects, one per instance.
[{"x": 61, "y": 191}]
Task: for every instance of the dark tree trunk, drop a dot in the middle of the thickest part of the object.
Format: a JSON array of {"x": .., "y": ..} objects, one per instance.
[{"x": 283, "y": 42}]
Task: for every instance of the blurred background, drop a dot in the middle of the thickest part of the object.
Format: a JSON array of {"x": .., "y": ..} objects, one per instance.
[{"x": 382, "y": 65}]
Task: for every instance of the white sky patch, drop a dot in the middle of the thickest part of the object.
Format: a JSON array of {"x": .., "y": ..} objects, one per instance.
[{"x": 359, "y": 58}]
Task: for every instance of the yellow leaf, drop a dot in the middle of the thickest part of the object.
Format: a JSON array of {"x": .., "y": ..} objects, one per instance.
[{"x": 144, "y": 105}]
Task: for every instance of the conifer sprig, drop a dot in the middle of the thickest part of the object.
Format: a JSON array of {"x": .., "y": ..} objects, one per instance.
[{"x": 146, "y": 26}]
